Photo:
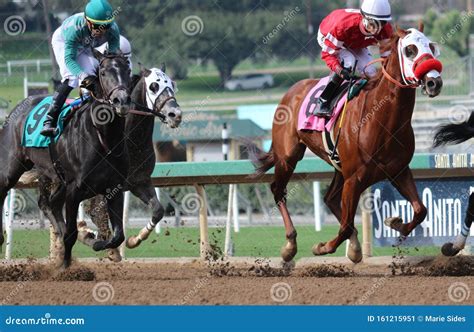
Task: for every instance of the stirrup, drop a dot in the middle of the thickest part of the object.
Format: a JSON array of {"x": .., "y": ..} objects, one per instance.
[
  {"x": 323, "y": 111},
  {"x": 48, "y": 130}
]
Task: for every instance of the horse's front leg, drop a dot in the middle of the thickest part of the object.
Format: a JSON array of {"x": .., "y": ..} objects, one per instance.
[
  {"x": 115, "y": 210},
  {"x": 73, "y": 199},
  {"x": 405, "y": 185},
  {"x": 452, "y": 249},
  {"x": 147, "y": 194},
  {"x": 350, "y": 199}
]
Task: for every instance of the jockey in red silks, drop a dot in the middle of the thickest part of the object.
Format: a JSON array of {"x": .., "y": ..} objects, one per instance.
[{"x": 344, "y": 36}]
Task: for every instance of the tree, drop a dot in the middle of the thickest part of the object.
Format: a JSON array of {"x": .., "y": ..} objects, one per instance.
[{"x": 450, "y": 29}]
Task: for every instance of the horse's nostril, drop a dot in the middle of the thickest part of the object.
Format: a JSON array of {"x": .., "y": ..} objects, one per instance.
[
  {"x": 129, "y": 100},
  {"x": 171, "y": 115},
  {"x": 116, "y": 101}
]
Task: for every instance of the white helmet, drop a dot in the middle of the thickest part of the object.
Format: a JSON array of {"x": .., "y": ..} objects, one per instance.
[{"x": 379, "y": 10}]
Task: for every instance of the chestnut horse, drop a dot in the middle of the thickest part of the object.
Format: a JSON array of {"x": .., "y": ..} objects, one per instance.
[{"x": 376, "y": 142}]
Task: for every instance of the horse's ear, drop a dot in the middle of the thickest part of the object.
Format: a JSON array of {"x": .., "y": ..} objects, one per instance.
[
  {"x": 401, "y": 33},
  {"x": 145, "y": 72},
  {"x": 97, "y": 54},
  {"x": 421, "y": 26},
  {"x": 163, "y": 67}
]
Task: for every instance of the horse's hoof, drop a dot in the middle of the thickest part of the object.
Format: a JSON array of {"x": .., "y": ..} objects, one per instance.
[
  {"x": 114, "y": 255},
  {"x": 99, "y": 245},
  {"x": 318, "y": 249},
  {"x": 288, "y": 252},
  {"x": 449, "y": 250},
  {"x": 354, "y": 253},
  {"x": 83, "y": 236},
  {"x": 395, "y": 223}
]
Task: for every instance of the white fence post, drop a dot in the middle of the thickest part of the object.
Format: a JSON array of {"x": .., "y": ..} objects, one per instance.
[
  {"x": 235, "y": 208},
  {"x": 158, "y": 226},
  {"x": 125, "y": 218},
  {"x": 317, "y": 205},
  {"x": 9, "y": 223},
  {"x": 228, "y": 225}
]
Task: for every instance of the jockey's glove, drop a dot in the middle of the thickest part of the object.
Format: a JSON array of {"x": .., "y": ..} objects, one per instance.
[
  {"x": 344, "y": 73},
  {"x": 88, "y": 82}
]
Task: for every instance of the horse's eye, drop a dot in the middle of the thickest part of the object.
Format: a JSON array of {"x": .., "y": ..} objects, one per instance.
[
  {"x": 154, "y": 87},
  {"x": 102, "y": 73},
  {"x": 434, "y": 49},
  {"x": 411, "y": 51}
]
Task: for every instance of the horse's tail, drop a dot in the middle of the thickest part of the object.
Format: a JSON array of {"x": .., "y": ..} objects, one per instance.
[
  {"x": 454, "y": 133},
  {"x": 261, "y": 160}
]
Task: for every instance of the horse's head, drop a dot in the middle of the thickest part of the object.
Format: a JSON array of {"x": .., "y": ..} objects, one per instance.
[
  {"x": 160, "y": 93},
  {"x": 114, "y": 79},
  {"x": 418, "y": 61}
]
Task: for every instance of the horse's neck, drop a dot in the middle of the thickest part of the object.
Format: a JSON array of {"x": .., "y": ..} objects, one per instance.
[
  {"x": 390, "y": 101},
  {"x": 112, "y": 132},
  {"x": 139, "y": 127}
]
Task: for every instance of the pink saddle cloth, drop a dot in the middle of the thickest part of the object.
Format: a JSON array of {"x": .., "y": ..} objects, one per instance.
[{"x": 306, "y": 119}]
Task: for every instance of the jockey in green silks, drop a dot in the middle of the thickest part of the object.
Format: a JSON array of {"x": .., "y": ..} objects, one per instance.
[{"x": 73, "y": 43}]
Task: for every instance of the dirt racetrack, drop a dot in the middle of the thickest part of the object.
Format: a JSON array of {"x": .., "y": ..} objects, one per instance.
[{"x": 430, "y": 281}]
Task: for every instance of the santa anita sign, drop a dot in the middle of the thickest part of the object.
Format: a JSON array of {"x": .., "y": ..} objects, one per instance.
[{"x": 445, "y": 199}]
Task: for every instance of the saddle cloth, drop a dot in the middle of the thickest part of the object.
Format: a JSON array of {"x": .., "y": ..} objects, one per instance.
[
  {"x": 306, "y": 119},
  {"x": 32, "y": 137}
]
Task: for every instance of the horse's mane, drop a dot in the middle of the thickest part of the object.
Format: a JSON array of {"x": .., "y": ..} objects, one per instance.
[
  {"x": 390, "y": 45},
  {"x": 135, "y": 79}
]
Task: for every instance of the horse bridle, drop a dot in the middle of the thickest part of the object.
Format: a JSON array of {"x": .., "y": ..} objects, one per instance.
[
  {"x": 107, "y": 100},
  {"x": 152, "y": 112}
]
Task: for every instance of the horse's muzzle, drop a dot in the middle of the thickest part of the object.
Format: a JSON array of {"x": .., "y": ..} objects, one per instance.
[
  {"x": 122, "y": 103},
  {"x": 433, "y": 84}
]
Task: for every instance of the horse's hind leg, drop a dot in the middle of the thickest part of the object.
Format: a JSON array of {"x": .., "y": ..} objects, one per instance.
[
  {"x": 452, "y": 249},
  {"x": 333, "y": 201},
  {"x": 97, "y": 210},
  {"x": 55, "y": 217},
  {"x": 115, "y": 210},
  {"x": 284, "y": 169},
  {"x": 350, "y": 198},
  {"x": 146, "y": 193},
  {"x": 407, "y": 188}
]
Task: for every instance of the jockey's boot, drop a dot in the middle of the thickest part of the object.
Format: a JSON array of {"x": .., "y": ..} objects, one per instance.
[
  {"x": 323, "y": 104},
  {"x": 59, "y": 97}
]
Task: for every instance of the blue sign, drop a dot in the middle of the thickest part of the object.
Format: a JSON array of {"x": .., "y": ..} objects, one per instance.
[
  {"x": 446, "y": 201},
  {"x": 236, "y": 318}
]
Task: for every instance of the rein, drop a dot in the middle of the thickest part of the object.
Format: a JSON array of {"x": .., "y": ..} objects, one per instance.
[
  {"x": 145, "y": 111},
  {"x": 389, "y": 77}
]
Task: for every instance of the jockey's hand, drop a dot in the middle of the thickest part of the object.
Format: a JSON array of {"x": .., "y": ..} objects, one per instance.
[
  {"x": 88, "y": 82},
  {"x": 344, "y": 73}
]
